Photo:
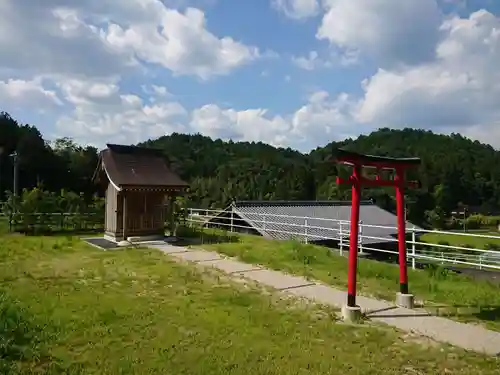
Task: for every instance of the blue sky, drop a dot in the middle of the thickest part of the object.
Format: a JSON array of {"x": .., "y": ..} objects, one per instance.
[{"x": 298, "y": 73}]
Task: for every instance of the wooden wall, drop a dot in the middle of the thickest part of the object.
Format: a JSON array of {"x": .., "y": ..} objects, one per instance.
[
  {"x": 110, "y": 221},
  {"x": 145, "y": 213}
]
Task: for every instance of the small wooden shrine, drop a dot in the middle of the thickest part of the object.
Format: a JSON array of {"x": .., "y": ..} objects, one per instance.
[{"x": 140, "y": 192}]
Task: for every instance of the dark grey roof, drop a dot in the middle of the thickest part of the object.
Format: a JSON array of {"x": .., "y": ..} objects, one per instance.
[
  {"x": 132, "y": 166},
  {"x": 291, "y": 217}
]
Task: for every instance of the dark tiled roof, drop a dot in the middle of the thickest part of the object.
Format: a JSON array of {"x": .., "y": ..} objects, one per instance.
[
  {"x": 131, "y": 166},
  {"x": 291, "y": 217}
]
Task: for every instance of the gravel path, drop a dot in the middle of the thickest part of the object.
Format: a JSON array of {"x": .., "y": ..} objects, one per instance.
[{"x": 467, "y": 336}]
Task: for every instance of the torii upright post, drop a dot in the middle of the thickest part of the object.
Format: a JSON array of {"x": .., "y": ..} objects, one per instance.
[{"x": 399, "y": 166}]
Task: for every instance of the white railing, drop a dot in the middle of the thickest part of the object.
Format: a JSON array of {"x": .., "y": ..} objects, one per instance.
[{"x": 338, "y": 230}]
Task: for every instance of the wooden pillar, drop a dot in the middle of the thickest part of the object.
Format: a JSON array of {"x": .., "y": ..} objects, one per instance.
[
  {"x": 124, "y": 214},
  {"x": 171, "y": 213}
]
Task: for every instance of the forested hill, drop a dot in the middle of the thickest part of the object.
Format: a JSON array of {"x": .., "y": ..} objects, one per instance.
[
  {"x": 455, "y": 169},
  {"x": 220, "y": 171}
]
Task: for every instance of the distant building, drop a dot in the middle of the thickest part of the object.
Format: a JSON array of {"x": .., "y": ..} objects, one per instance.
[{"x": 320, "y": 222}]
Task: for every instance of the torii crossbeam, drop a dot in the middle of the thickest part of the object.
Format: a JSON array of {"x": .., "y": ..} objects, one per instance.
[{"x": 398, "y": 167}]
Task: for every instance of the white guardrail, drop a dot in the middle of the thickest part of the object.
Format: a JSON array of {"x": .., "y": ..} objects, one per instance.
[{"x": 418, "y": 251}]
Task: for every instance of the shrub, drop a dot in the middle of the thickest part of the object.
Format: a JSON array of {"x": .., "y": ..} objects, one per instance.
[
  {"x": 437, "y": 272},
  {"x": 478, "y": 221},
  {"x": 492, "y": 246},
  {"x": 474, "y": 221},
  {"x": 40, "y": 211}
]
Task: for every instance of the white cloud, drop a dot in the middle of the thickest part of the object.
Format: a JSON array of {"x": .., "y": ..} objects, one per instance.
[
  {"x": 321, "y": 119},
  {"x": 97, "y": 38},
  {"x": 160, "y": 90},
  {"x": 38, "y": 39},
  {"x": 75, "y": 54},
  {"x": 181, "y": 43},
  {"x": 324, "y": 118},
  {"x": 456, "y": 91},
  {"x": 249, "y": 125},
  {"x": 14, "y": 92},
  {"x": 70, "y": 59},
  {"x": 392, "y": 32},
  {"x": 459, "y": 92},
  {"x": 297, "y": 9},
  {"x": 100, "y": 112},
  {"x": 79, "y": 92},
  {"x": 311, "y": 62}
]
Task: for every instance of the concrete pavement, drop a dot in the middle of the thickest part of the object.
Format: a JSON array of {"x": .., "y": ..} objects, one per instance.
[{"x": 467, "y": 336}]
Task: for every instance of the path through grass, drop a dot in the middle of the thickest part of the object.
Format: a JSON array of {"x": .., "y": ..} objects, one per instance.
[
  {"x": 442, "y": 291},
  {"x": 70, "y": 308}
]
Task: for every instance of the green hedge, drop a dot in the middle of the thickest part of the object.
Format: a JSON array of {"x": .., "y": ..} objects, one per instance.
[{"x": 38, "y": 211}]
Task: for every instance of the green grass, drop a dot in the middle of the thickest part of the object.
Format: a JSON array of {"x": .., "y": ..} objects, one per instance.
[
  {"x": 70, "y": 308},
  {"x": 443, "y": 292},
  {"x": 462, "y": 241},
  {"x": 4, "y": 225}
]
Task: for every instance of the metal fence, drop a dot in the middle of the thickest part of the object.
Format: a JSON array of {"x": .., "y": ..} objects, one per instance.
[
  {"x": 46, "y": 222},
  {"x": 418, "y": 251}
]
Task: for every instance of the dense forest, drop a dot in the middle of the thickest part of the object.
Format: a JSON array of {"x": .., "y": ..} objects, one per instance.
[{"x": 455, "y": 171}]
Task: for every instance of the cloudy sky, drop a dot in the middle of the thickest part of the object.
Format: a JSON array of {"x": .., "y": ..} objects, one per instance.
[{"x": 297, "y": 73}]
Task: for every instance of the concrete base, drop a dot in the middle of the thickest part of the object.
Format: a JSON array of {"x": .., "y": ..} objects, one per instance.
[
  {"x": 154, "y": 237},
  {"x": 351, "y": 314},
  {"x": 111, "y": 238},
  {"x": 144, "y": 238},
  {"x": 124, "y": 243},
  {"x": 405, "y": 300},
  {"x": 134, "y": 239}
]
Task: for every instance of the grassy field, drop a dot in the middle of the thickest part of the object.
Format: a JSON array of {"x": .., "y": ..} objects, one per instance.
[
  {"x": 70, "y": 308},
  {"x": 463, "y": 241},
  {"x": 444, "y": 293},
  {"x": 4, "y": 224}
]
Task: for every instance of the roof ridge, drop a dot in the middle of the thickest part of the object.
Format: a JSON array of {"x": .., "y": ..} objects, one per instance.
[
  {"x": 297, "y": 203},
  {"x": 135, "y": 150}
]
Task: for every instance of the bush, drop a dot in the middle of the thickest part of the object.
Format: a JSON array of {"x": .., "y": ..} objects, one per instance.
[
  {"x": 492, "y": 246},
  {"x": 436, "y": 218},
  {"x": 455, "y": 223},
  {"x": 469, "y": 246},
  {"x": 437, "y": 272},
  {"x": 478, "y": 221},
  {"x": 41, "y": 211},
  {"x": 474, "y": 222}
]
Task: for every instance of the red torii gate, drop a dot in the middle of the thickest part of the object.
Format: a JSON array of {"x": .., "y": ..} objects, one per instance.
[{"x": 357, "y": 181}]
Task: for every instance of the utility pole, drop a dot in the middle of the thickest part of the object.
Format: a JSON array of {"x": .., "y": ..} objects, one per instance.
[
  {"x": 1, "y": 153},
  {"x": 465, "y": 219},
  {"x": 15, "y": 156}
]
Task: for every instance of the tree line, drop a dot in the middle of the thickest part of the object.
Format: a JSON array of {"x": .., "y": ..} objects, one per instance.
[{"x": 456, "y": 171}]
